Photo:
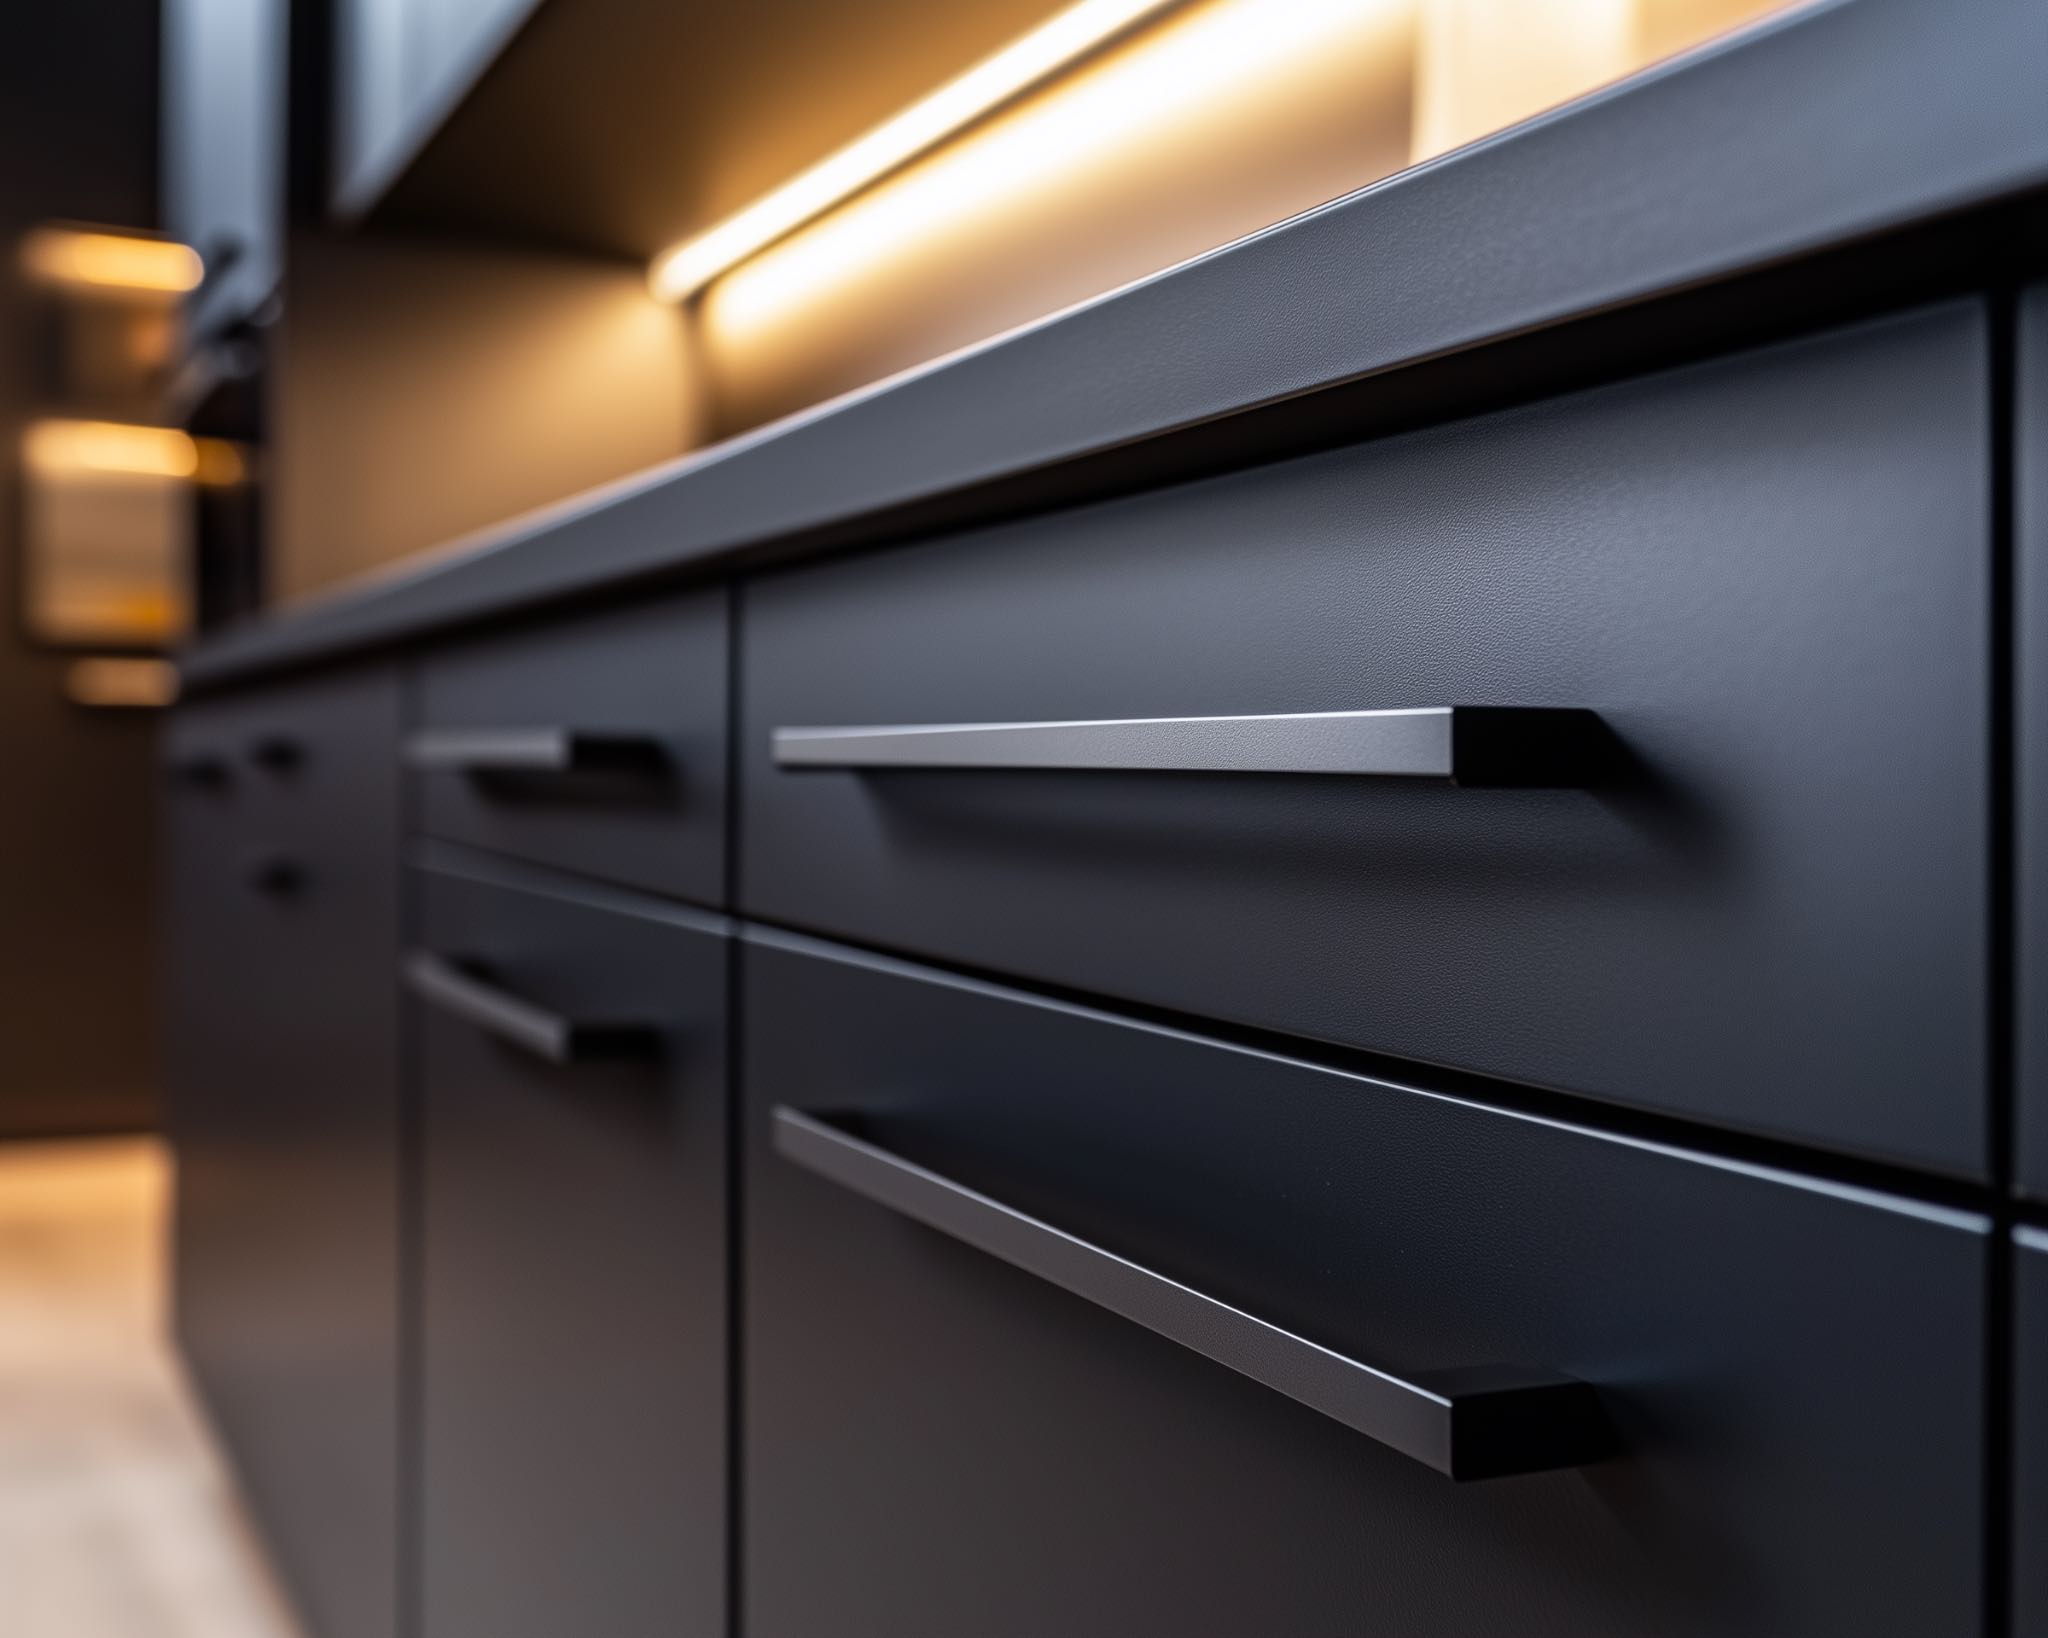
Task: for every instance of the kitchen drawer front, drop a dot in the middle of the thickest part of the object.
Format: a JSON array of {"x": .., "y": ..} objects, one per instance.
[
  {"x": 597, "y": 745},
  {"x": 282, "y": 1106},
  {"x": 2030, "y": 1431},
  {"x": 1767, "y": 575},
  {"x": 264, "y": 774},
  {"x": 574, "y": 1279},
  {"x": 938, "y": 1442}
]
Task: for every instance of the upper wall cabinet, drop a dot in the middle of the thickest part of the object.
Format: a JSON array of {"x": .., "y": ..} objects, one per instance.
[
  {"x": 224, "y": 67},
  {"x": 401, "y": 66}
]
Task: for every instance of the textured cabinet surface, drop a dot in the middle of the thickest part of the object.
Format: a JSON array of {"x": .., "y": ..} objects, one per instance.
[
  {"x": 573, "y": 1256},
  {"x": 937, "y": 1443},
  {"x": 1769, "y": 576},
  {"x": 283, "y": 1104}
]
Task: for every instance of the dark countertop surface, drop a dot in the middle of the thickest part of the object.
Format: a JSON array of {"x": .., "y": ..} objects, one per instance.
[{"x": 1849, "y": 152}]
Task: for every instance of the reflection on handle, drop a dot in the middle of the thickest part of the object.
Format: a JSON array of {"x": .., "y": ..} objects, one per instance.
[
  {"x": 457, "y": 989},
  {"x": 1478, "y": 1423},
  {"x": 1460, "y": 744}
]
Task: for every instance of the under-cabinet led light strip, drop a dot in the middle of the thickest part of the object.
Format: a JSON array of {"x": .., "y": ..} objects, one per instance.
[
  {"x": 59, "y": 448},
  {"x": 1020, "y": 67}
]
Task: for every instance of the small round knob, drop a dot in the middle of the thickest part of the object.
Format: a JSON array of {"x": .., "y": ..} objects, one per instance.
[
  {"x": 278, "y": 876},
  {"x": 277, "y": 754},
  {"x": 202, "y": 770}
]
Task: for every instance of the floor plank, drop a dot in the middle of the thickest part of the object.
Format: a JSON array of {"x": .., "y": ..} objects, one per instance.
[{"x": 116, "y": 1519}]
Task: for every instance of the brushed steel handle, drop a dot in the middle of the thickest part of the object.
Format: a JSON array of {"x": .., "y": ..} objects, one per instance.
[
  {"x": 458, "y": 990},
  {"x": 1461, "y": 744},
  {"x": 1473, "y": 1423},
  {"x": 486, "y": 751}
]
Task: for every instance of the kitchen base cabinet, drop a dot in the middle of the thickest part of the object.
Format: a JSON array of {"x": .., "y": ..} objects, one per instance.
[
  {"x": 283, "y": 1103},
  {"x": 1370, "y": 989},
  {"x": 940, "y": 1441},
  {"x": 573, "y": 1453}
]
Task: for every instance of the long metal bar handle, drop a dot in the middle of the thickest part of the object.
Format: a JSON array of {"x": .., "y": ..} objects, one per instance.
[
  {"x": 456, "y": 988},
  {"x": 1461, "y": 744},
  {"x": 1468, "y": 1424},
  {"x": 480, "y": 752}
]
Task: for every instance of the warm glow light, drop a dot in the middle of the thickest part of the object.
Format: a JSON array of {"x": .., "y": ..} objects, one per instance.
[
  {"x": 995, "y": 81},
  {"x": 1159, "y": 92},
  {"x": 58, "y": 447},
  {"x": 121, "y": 682},
  {"x": 111, "y": 261},
  {"x": 1483, "y": 65},
  {"x": 1220, "y": 120}
]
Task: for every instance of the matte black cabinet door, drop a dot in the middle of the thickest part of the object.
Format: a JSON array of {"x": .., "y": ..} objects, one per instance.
[
  {"x": 2030, "y": 1431},
  {"x": 642, "y": 690},
  {"x": 2031, "y": 516},
  {"x": 213, "y": 968},
  {"x": 1768, "y": 574},
  {"x": 938, "y": 1443},
  {"x": 573, "y": 1322},
  {"x": 283, "y": 1107}
]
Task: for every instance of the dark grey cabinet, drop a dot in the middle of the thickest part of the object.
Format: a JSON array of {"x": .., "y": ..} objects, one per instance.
[
  {"x": 573, "y": 1258},
  {"x": 2030, "y": 511},
  {"x": 1766, "y": 575},
  {"x": 283, "y": 1103},
  {"x": 596, "y": 745},
  {"x": 1368, "y": 989},
  {"x": 938, "y": 1442},
  {"x": 2030, "y": 1436}
]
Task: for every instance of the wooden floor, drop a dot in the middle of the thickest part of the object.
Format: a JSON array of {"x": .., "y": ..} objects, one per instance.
[{"x": 115, "y": 1518}]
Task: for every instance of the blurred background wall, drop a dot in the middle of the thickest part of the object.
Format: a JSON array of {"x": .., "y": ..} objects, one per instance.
[{"x": 78, "y": 117}]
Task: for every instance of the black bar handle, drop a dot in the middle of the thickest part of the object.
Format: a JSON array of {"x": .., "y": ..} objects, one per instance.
[
  {"x": 1479, "y": 1423},
  {"x": 1457, "y": 744},
  {"x": 458, "y": 989}
]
